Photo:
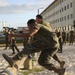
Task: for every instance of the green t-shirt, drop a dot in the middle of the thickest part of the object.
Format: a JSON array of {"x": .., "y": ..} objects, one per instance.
[
  {"x": 44, "y": 33},
  {"x": 44, "y": 30},
  {"x": 46, "y": 24}
]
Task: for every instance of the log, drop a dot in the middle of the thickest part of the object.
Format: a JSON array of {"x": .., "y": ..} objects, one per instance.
[{"x": 14, "y": 70}]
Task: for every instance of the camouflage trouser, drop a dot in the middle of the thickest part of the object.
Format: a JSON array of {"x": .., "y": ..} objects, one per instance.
[{"x": 48, "y": 49}]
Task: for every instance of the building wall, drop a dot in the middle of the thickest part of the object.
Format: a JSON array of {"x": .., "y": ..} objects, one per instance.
[
  {"x": 24, "y": 29},
  {"x": 60, "y": 14},
  {"x": 74, "y": 9}
]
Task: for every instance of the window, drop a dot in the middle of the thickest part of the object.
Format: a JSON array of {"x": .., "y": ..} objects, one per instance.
[
  {"x": 62, "y": 9},
  {"x": 65, "y": 18},
  {"x": 68, "y": 6},
  {"x": 62, "y": 0},
  {"x": 68, "y": 17},
  {"x": 71, "y": 16},
  {"x": 65, "y": 8},
  {"x": 68, "y": 27}
]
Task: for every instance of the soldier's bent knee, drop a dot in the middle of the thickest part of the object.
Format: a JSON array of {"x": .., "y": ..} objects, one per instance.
[{"x": 47, "y": 65}]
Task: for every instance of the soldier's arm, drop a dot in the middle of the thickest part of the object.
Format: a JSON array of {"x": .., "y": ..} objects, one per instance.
[
  {"x": 29, "y": 34},
  {"x": 49, "y": 25}
]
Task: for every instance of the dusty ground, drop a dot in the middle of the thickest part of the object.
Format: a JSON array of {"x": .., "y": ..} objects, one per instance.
[{"x": 68, "y": 55}]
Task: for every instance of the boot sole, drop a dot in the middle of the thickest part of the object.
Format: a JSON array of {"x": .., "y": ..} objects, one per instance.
[
  {"x": 63, "y": 72},
  {"x": 8, "y": 59},
  {"x": 62, "y": 64}
]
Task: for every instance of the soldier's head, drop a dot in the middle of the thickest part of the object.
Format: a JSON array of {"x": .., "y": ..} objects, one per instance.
[
  {"x": 39, "y": 18},
  {"x": 31, "y": 23}
]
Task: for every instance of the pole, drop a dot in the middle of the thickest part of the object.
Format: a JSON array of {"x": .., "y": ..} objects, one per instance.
[{"x": 38, "y": 11}]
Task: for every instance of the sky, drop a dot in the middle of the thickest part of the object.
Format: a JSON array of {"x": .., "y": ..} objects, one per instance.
[{"x": 16, "y": 13}]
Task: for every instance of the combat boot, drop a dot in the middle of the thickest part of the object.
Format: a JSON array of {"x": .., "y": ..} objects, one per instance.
[
  {"x": 62, "y": 63},
  {"x": 9, "y": 60},
  {"x": 59, "y": 71}
]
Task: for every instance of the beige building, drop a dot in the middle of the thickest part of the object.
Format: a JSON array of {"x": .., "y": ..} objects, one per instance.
[
  {"x": 24, "y": 29},
  {"x": 61, "y": 14}
]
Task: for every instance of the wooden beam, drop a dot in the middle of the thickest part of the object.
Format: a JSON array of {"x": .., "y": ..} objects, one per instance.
[{"x": 14, "y": 70}]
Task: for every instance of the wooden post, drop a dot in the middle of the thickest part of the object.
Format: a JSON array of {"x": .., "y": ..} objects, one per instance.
[
  {"x": 28, "y": 63},
  {"x": 35, "y": 59}
]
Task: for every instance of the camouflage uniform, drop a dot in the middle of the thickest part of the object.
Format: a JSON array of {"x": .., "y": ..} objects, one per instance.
[
  {"x": 26, "y": 41},
  {"x": 13, "y": 45},
  {"x": 46, "y": 24},
  {"x": 64, "y": 37},
  {"x": 47, "y": 43},
  {"x": 71, "y": 36},
  {"x": 60, "y": 41},
  {"x": 6, "y": 39}
]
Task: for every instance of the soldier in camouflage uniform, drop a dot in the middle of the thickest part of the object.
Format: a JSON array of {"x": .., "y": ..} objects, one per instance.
[
  {"x": 47, "y": 43},
  {"x": 39, "y": 20},
  {"x": 71, "y": 37},
  {"x": 6, "y": 38},
  {"x": 59, "y": 35},
  {"x": 13, "y": 44},
  {"x": 64, "y": 37}
]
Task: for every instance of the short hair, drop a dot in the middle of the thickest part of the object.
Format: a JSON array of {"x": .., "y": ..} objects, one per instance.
[
  {"x": 39, "y": 16},
  {"x": 31, "y": 22}
]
